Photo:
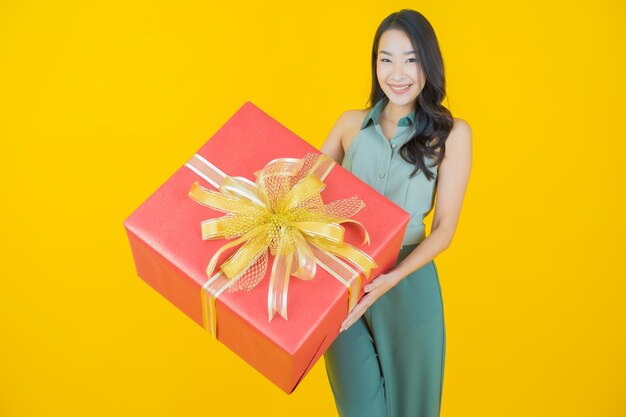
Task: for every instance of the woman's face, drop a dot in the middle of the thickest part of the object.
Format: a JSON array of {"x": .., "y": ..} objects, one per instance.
[{"x": 397, "y": 67}]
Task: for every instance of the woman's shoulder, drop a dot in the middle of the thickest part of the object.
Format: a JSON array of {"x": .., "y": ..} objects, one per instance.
[
  {"x": 351, "y": 121},
  {"x": 356, "y": 114},
  {"x": 342, "y": 133},
  {"x": 461, "y": 131},
  {"x": 461, "y": 125},
  {"x": 459, "y": 142},
  {"x": 352, "y": 118}
]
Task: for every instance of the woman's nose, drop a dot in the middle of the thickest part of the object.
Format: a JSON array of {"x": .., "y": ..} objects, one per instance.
[{"x": 398, "y": 72}]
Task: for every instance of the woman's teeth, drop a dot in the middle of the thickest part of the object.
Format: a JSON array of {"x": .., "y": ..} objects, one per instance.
[{"x": 400, "y": 89}]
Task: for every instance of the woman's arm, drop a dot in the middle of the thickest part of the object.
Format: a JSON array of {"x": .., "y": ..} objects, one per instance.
[{"x": 453, "y": 177}]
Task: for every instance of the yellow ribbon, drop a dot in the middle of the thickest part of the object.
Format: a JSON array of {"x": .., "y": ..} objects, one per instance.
[{"x": 283, "y": 212}]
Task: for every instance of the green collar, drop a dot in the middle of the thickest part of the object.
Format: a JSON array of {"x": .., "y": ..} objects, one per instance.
[{"x": 374, "y": 115}]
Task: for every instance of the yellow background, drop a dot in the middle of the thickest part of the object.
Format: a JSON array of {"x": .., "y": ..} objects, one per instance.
[{"x": 101, "y": 103}]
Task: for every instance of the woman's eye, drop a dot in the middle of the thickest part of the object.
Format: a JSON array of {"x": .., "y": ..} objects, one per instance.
[{"x": 408, "y": 60}]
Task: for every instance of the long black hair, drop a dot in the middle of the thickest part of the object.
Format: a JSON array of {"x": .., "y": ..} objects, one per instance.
[{"x": 433, "y": 121}]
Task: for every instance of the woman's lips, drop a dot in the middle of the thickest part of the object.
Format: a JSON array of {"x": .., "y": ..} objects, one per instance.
[{"x": 400, "y": 90}]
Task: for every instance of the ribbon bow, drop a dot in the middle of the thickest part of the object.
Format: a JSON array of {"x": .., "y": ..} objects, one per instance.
[{"x": 281, "y": 212}]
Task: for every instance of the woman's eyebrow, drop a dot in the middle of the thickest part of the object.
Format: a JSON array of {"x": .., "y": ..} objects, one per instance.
[{"x": 390, "y": 54}]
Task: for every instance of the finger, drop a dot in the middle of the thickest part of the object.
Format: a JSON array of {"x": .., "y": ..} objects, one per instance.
[
  {"x": 365, "y": 302},
  {"x": 350, "y": 320},
  {"x": 354, "y": 316},
  {"x": 375, "y": 283},
  {"x": 349, "y": 323},
  {"x": 346, "y": 322},
  {"x": 356, "y": 313}
]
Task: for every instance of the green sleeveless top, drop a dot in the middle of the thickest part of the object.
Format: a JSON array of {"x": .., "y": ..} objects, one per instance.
[{"x": 375, "y": 160}]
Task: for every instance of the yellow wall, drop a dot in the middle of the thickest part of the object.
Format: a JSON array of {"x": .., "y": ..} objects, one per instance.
[{"x": 101, "y": 103}]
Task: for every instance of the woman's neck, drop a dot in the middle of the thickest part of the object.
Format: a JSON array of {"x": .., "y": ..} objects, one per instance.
[{"x": 393, "y": 113}]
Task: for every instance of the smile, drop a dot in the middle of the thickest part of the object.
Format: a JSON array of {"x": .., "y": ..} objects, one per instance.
[{"x": 400, "y": 89}]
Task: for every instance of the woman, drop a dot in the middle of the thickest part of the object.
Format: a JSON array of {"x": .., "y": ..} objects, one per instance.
[{"x": 388, "y": 359}]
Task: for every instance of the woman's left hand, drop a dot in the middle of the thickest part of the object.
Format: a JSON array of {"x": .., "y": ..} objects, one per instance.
[{"x": 373, "y": 291}]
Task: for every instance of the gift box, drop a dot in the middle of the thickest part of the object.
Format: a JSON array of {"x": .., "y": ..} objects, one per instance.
[{"x": 175, "y": 241}]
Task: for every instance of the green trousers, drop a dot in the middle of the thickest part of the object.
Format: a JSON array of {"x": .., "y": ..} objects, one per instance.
[{"x": 390, "y": 362}]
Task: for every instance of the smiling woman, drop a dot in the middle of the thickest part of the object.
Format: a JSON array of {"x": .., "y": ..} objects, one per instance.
[
  {"x": 389, "y": 358},
  {"x": 385, "y": 69}
]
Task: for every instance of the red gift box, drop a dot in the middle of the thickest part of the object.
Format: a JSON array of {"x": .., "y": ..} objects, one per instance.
[{"x": 171, "y": 256}]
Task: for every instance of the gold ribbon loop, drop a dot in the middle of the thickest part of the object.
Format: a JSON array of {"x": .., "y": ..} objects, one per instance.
[
  {"x": 330, "y": 231},
  {"x": 359, "y": 258},
  {"x": 366, "y": 239},
  {"x": 305, "y": 265}
]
